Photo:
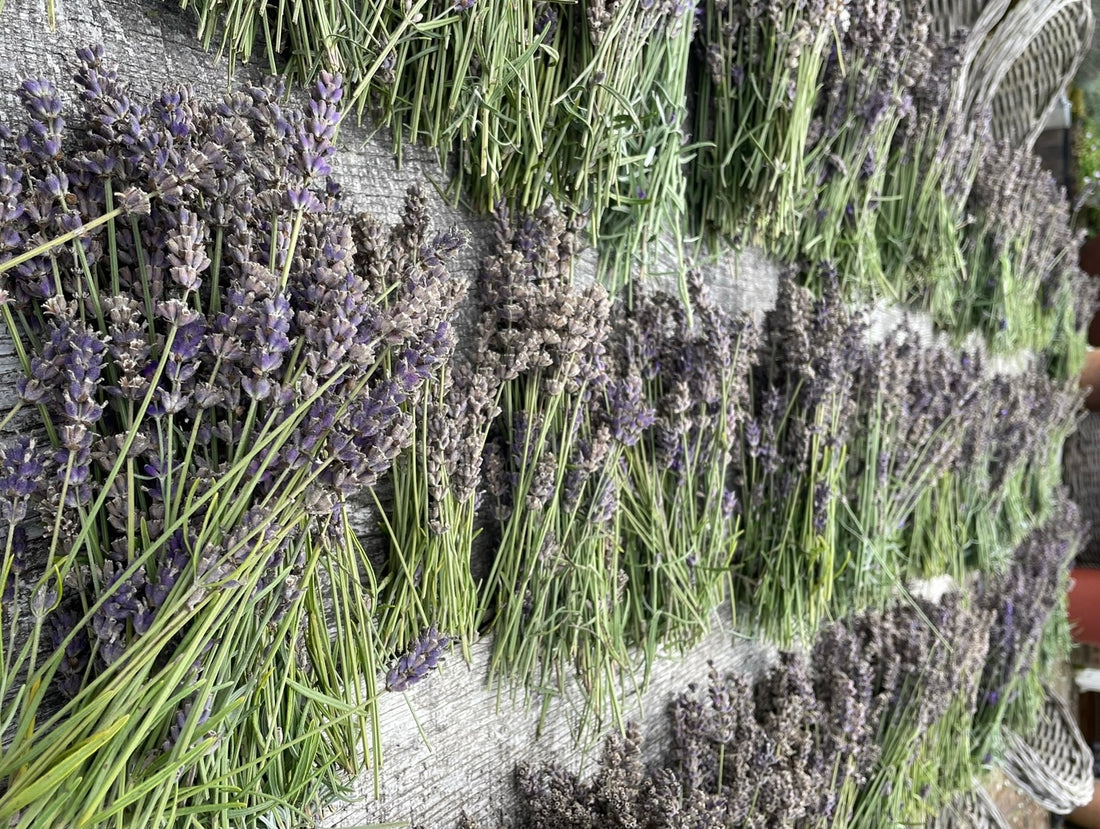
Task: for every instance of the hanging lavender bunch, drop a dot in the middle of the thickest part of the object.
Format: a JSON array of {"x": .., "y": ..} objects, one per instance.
[
  {"x": 794, "y": 449},
  {"x": 1028, "y": 289},
  {"x": 759, "y": 66},
  {"x": 1002, "y": 465},
  {"x": 1021, "y": 600},
  {"x": 437, "y": 485},
  {"x": 867, "y": 93},
  {"x": 924, "y": 432},
  {"x": 554, "y": 593},
  {"x": 221, "y": 355},
  {"x": 619, "y": 130},
  {"x": 681, "y": 511},
  {"x": 869, "y": 729},
  {"x": 913, "y": 668}
]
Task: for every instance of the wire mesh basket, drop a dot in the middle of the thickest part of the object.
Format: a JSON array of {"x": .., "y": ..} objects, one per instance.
[
  {"x": 1053, "y": 764},
  {"x": 1028, "y": 93},
  {"x": 1026, "y": 61},
  {"x": 974, "y": 809}
]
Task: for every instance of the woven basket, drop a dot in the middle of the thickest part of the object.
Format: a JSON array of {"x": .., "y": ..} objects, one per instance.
[
  {"x": 969, "y": 810},
  {"x": 1081, "y": 472},
  {"x": 1054, "y": 763},
  {"x": 1028, "y": 92},
  {"x": 1055, "y": 57}
]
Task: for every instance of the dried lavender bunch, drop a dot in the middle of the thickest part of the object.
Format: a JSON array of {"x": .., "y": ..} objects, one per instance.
[
  {"x": 1004, "y": 479},
  {"x": 482, "y": 84},
  {"x": 738, "y": 756},
  {"x": 620, "y": 127},
  {"x": 933, "y": 162},
  {"x": 221, "y": 355},
  {"x": 551, "y": 467},
  {"x": 793, "y": 443},
  {"x": 376, "y": 52},
  {"x": 759, "y": 67},
  {"x": 1025, "y": 286},
  {"x": 923, "y": 429},
  {"x": 867, "y": 92},
  {"x": 869, "y": 730},
  {"x": 917, "y": 664},
  {"x": 845, "y": 748},
  {"x": 1022, "y": 600},
  {"x": 540, "y": 99},
  {"x": 437, "y": 484},
  {"x": 681, "y": 511},
  {"x": 619, "y": 795}
]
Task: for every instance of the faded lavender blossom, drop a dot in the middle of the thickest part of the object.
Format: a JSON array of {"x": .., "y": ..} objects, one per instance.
[
  {"x": 422, "y": 657},
  {"x": 66, "y": 631}
]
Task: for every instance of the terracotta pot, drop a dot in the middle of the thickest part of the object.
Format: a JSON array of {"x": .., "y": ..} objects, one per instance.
[
  {"x": 1089, "y": 260},
  {"x": 1084, "y": 605},
  {"x": 1090, "y": 376}
]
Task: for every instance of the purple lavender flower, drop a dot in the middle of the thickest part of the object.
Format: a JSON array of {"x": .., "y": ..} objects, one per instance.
[
  {"x": 42, "y": 140},
  {"x": 63, "y": 630},
  {"x": 187, "y": 712},
  {"x": 422, "y": 657}
]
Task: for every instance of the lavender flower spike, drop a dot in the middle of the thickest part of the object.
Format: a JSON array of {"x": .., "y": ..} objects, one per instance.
[{"x": 422, "y": 656}]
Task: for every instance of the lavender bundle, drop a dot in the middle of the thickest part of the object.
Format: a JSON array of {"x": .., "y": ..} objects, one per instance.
[
  {"x": 932, "y": 164},
  {"x": 921, "y": 660},
  {"x": 680, "y": 507},
  {"x": 869, "y": 730},
  {"x": 749, "y": 749},
  {"x": 794, "y": 460},
  {"x": 759, "y": 69},
  {"x": 1023, "y": 286},
  {"x": 621, "y": 794},
  {"x": 866, "y": 93},
  {"x": 374, "y": 49},
  {"x": 620, "y": 126},
  {"x": 436, "y": 495},
  {"x": 1024, "y": 601},
  {"x": 738, "y": 757},
  {"x": 1006, "y": 476},
  {"x": 220, "y": 356},
  {"x": 554, "y": 592},
  {"x": 922, "y": 421},
  {"x": 483, "y": 86}
]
